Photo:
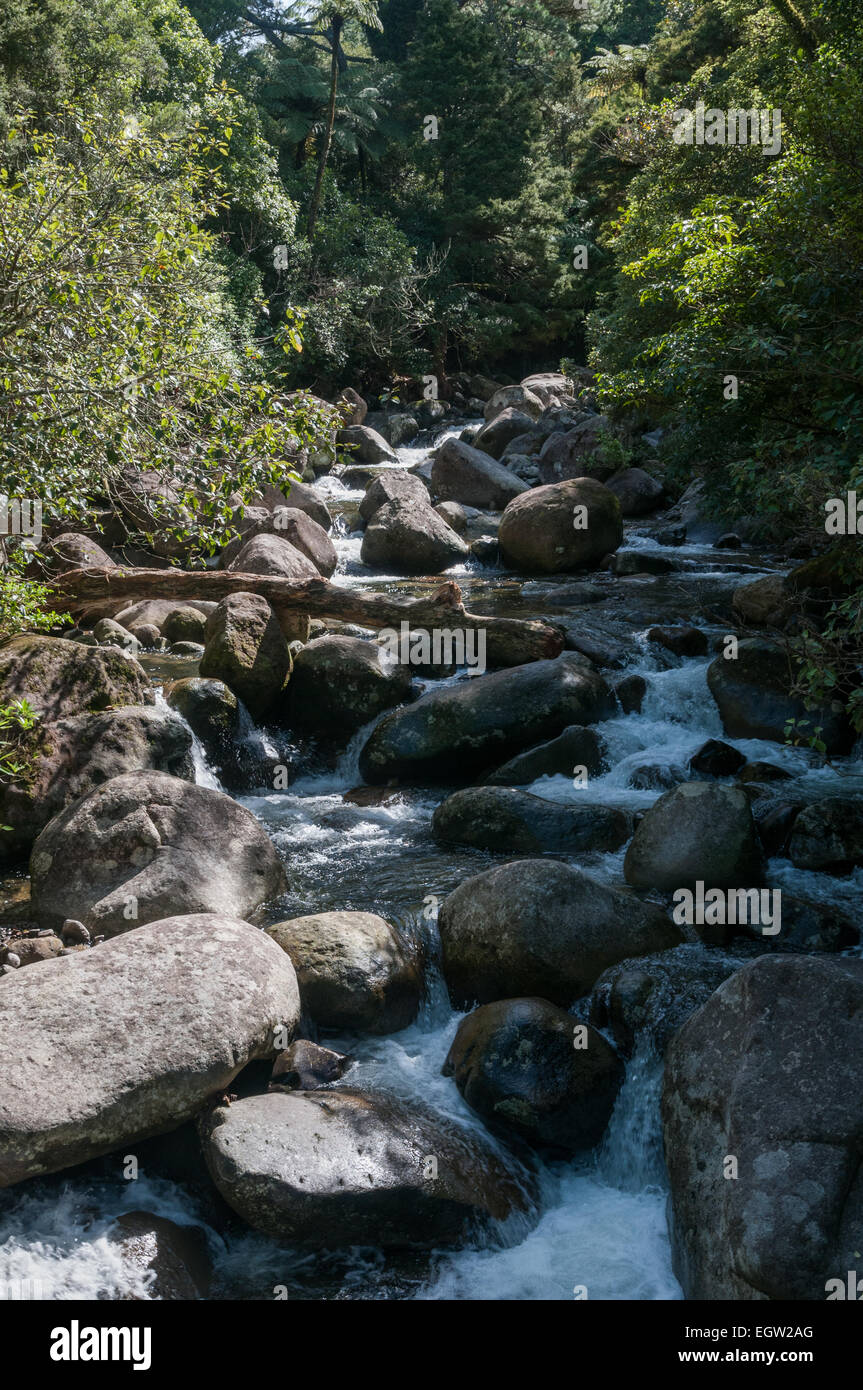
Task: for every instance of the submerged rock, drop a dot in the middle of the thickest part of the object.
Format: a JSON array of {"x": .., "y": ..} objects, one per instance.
[{"x": 177, "y": 1257}]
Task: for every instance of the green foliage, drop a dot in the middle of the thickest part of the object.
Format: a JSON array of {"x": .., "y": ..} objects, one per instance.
[
  {"x": 116, "y": 351},
  {"x": 24, "y": 603},
  {"x": 17, "y": 745}
]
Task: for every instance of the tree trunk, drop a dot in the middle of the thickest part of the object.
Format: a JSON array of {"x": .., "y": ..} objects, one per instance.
[
  {"x": 324, "y": 152},
  {"x": 97, "y": 592}
]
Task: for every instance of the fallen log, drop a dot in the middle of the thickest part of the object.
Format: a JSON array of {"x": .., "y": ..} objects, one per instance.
[{"x": 89, "y": 592}]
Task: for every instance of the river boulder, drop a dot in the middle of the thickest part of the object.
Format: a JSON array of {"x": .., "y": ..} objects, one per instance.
[
  {"x": 752, "y": 692},
  {"x": 576, "y": 749},
  {"x": 650, "y": 999},
  {"x": 496, "y": 434},
  {"x": 765, "y": 1077},
  {"x": 563, "y": 526},
  {"x": 537, "y": 927},
  {"x": 698, "y": 831},
  {"x": 60, "y": 678},
  {"x": 828, "y": 835},
  {"x": 395, "y": 485},
  {"x": 145, "y": 846},
  {"x": 73, "y": 756},
  {"x": 507, "y": 820},
  {"x": 463, "y": 474},
  {"x": 407, "y": 536},
  {"x": 340, "y": 1167},
  {"x": 294, "y": 526},
  {"x": 269, "y": 553},
  {"x": 532, "y": 1070},
  {"x": 355, "y": 970},
  {"x": 457, "y": 733},
  {"x": 247, "y": 651},
  {"x": 366, "y": 445},
  {"x": 636, "y": 491},
  {"x": 131, "y": 1038},
  {"x": 575, "y": 453},
  {"x": 338, "y": 684}
]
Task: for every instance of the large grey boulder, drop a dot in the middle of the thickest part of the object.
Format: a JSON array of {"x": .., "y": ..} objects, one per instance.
[
  {"x": 514, "y": 398},
  {"x": 463, "y": 474},
  {"x": 154, "y": 612},
  {"x": 269, "y": 553},
  {"x": 500, "y": 431},
  {"x": 762, "y": 1116},
  {"x": 698, "y": 831},
  {"x": 247, "y": 651},
  {"x": 563, "y": 526},
  {"x": 396, "y": 484},
  {"x": 407, "y": 536},
  {"x": 530, "y": 1069},
  {"x": 458, "y": 732},
  {"x": 145, "y": 846},
  {"x": 550, "y": 387},
  {"x": 339, "y": 1168},
  {"x": 366, "y": 445},
  {"x": 355, "y": 970},
  {"x": 75, "y": 755},
  {"x": 537, "y": 927},
  {"x": 72, "y": 551},
  {"x": 108, "y": 1046},
  {"x": 61, "y": 678},
  {"x": 752, "y": 692},
  {"x": 575, "y": 453},
  {"x": 303, "y": 498},
  {"x": 338, "y": 684},
  {"x": 507, "y": 820},
  {"x": 288, "y": 524}
]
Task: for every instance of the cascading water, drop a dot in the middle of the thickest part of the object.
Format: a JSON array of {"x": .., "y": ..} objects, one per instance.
[{"x": 600, "y": 1231}]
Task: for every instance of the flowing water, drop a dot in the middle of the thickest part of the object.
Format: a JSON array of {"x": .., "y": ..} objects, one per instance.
[{"x": 600, "y": 1230}]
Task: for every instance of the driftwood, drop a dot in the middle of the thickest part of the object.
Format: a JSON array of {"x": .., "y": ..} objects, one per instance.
[{"x": 89, "y": 592}]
